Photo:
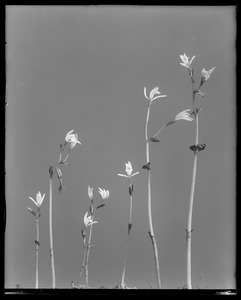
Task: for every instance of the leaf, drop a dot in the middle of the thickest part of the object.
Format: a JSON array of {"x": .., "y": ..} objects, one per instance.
[
  {"x": 154, "y": 140},
  {"x": 32, "y": 212},
  {"x": 100, "y": 205},
  {"x": 83, "y": 233},
  {"x": 147, "y": 166},
  {"x": 91, "y": 210},
  {"x": 201, "y": 147},
  {"x": 198, "y": 147},
  {"x": 51, "y": 171},
  {"x": 129, "y": 227},
  {"x": 130, "y": 191},
  {"x": 37, "y": 243}
]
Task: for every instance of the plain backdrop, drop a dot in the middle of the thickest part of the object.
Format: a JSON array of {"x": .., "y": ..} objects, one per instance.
[{"x": 84, "y": 68}]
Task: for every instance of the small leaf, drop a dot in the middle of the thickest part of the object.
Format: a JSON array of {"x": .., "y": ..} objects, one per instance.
[
  {"x": 201, "y": 147},
  {"x": 196, "y": 111},
  {"x": 130, "y": 191},
  {"x": 193, "y": 148},
  {"x": 100, "y": 205},
  {"x": 198, "y": 147},
  {"x": 129, "y": 227},
  {"x": 154, "y": 140},
  {"x": 51, "y": 171},
  {"x": 147, "y": 166},
  {"x": 37, "y": 243},
  {"x": 198, "y": 92},
  {"x": 91, "y": 210},
  {"x": 89, "y": 246},
  {"x": 32, "y": 212},
  {"x": 83, "y": 233}
]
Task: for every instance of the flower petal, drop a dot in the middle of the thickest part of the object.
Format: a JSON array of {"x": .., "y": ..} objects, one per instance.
[
  {"x": 30, "y": 210},
  {"x": 35, "y": 202},
  {"x": 145, "y": 93},
  {"x": 154, "y": 92},
  {"x": 192, "y": 60},
  {"x": 123, "y": 175},
  {"x": 160, "y": 96}
]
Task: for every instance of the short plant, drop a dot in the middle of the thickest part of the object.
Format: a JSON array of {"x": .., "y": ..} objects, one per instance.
[
  {"x": 38, "y": 202},
  {"x": 88, "y": 222},
  {"x": 129, "y": 177}
]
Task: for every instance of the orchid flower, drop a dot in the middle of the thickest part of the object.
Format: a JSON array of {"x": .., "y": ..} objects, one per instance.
[
  {"x": 72, "y": 139},
  {"x": 88, "y": 220},
  {"x": 206, "y": 74},
  {"x": 185, "y": 61},
  {"x": 153, "y": 92},
  {"x": 184, "y": 115},
  {"x": 104, "y": 193},
  {"x": 129, "y": 171},
  {"x": 90, "y": 192},
  {"x": 39, "y": 199}
]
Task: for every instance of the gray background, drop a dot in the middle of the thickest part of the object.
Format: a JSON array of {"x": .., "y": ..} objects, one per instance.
[{"x": 84, "y": 68}]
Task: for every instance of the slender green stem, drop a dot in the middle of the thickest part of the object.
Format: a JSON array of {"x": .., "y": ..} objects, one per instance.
[
  {"x": 51, "y": 231},
  {"x": 159, "y": 130},
  {"x": 151, "y": 231},
  {"x": 36, "y": 252},
  {"x": 189, "y": 225},
  {"x": 87, "y": 256},
  {"x": 128, "y": 235},
  {"x": 83, "y": 264}
]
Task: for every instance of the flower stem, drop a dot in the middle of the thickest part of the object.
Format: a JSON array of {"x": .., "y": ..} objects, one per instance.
[
  {"x": 159, "y": 130},
  {"x": 189, "y": 225},
  {"x": 51, "y": 231},
  {"x": 83, "y": 264},
  {"x": 128, "y": 235},
  {"x": 87, "y": 256},
  {"x": 36, "y": 253},
  {"x": 151, "y": 231}
]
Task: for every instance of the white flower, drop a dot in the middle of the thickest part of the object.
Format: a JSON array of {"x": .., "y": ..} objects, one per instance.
[
  {"x": 185, "y": 61},
  {"x": 104, "y": 193},
  {"x": 72, "y": 139},
  {"x": 153, "y": 93},
  {"x": 184, "y": 115},
  {"x": 206, "y": 74},
  {"x": 88, "y": 220},
  {"x": 129, "y": 171},
  {"x": 39, "y": 199},
  {"x": 90, "y": 192}
]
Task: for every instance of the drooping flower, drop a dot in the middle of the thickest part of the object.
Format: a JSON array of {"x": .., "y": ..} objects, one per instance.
[
  {"x": 185, "y": 61},
  {"x": 104, "y": 193},
  {"x": 183, "y": 115},
  {"x": 129, "y": 170},
  {"x": 72, "y": 139},
  {"x": 90, "y": 192},
  {"x": 88, "y": 220},
  {"x": 39, "y": 199},
  {"x": 153, "y": 92},
  {"x": 206, "y": 74}
]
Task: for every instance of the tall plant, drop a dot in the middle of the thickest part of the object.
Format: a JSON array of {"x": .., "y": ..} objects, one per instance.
[
  {"x": 71, "y": 140},
  {"x": 184, "y": 115},
  {"x": 196, "y": 148}
]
